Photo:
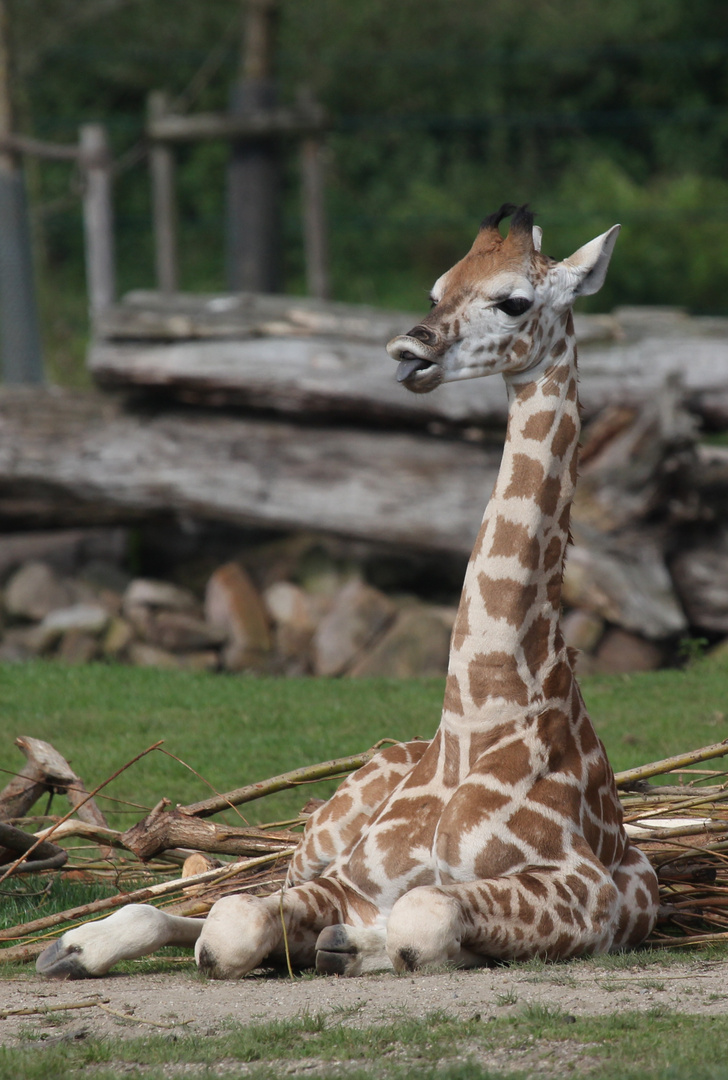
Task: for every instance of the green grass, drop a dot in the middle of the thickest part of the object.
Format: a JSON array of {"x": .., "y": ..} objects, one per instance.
[
  {"x": 236, "y": 729},
  {"x": 232, "y": 729},
  {"x": 536, "y": 1041}
]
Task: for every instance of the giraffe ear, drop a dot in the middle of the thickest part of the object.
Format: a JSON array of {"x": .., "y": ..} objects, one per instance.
[
  {"x": 587, "y": 268},
  {"x": 537, "y": 234}
]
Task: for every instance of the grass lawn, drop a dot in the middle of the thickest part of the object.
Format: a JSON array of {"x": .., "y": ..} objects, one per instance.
[
  {"x": 538, "y": 1041},
  {"x": 234, "y": 730}
]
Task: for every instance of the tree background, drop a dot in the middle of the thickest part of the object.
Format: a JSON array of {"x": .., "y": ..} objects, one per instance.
[{"x": 592, "y": 112}]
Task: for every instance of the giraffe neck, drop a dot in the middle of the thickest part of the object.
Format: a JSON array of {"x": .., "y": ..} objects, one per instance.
[{"x": 506, "y": 637}]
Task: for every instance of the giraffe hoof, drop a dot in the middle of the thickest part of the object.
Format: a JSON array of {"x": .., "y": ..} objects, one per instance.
[
  {"x": 349, "y": 950},
  {"x": 336, "y": 953},
  {"x": 59, "y": 961}
]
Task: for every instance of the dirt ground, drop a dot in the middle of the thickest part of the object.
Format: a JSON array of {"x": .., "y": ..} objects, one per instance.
[{"x": 139, "y": 1004}]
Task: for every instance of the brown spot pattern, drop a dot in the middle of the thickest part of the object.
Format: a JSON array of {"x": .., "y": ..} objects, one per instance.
[
  {"x": 536, "y": 643},
  {"x": 539, "y": 425},
  {"x": 495, "y": 675},
  {"x": 526, "y": 480},
  {"x": 564, "y": 437},
  {"x": 504, "y": 598},
  {"x": 511, "y": 539},
  {"x": 453, "y": 702}
]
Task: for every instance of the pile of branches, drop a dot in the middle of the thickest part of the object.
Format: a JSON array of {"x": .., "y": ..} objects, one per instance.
[{"x": 170, "y": 857}]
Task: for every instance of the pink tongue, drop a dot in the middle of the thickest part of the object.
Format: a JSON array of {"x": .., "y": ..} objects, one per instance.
[{"x": 406, "y": 367}]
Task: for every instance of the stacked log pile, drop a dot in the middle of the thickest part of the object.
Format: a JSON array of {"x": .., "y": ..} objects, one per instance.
[{"x": 271, "y": 415}]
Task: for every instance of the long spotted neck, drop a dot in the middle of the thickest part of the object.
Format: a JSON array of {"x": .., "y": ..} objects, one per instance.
[{"x": 506, "y": 636}]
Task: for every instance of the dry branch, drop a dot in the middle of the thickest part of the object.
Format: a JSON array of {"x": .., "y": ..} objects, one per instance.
[
  {"x": 175, "y": 828},
  {"x": 139, "y": 896},
  {"x": 46, "y": 770},
  {"x": 307, "y": 775}
]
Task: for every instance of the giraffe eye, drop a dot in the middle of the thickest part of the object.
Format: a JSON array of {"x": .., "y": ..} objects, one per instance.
[
  {"x": 515, "y": 305},
  {"x": 433, "y": 302}
]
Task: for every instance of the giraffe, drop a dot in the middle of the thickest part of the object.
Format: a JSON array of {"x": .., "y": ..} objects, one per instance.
[{"x": 502, "y": 838}]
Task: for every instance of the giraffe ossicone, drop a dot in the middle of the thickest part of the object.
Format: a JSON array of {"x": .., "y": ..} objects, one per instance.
[{"x": 502, "y": 838}]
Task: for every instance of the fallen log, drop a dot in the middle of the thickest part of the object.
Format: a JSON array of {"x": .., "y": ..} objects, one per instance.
[
  {"x": 294, "y": 355},
  {"x": 69, "y": 457}
]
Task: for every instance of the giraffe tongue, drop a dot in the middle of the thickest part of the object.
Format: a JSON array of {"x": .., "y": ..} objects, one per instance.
[{"x": 406, "y": 367}]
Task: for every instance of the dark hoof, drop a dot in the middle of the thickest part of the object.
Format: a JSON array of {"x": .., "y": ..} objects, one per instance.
[
  {"x": 334, "y": 963},
  {"x": 61, "y": 961}
]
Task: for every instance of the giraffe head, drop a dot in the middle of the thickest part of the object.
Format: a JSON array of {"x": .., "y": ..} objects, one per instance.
[{"x": 497, "y": 310}]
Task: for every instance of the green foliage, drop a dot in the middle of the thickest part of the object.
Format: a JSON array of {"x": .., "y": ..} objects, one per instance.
[{"x": 591, "y": 112}]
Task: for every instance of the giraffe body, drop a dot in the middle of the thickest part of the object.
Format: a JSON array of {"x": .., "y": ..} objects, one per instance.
[{"x": 502, "y": 838}]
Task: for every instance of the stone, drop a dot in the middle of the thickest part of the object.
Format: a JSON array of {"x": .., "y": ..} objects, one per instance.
[
  {"x": 176, "y": 630},
  {"x": 118, "y": 638},
  {"x": 582, "y": 630},
  {"x": 295, "y": 616},
  {"x": 145, "y": 592},
  {"x": 200, "y": 660},
  {"x": 417, "y": 645},
  {"x": 77, "y": 647},
  {"x": 621, "y": 652},
  {"x": 142, "y": 655},
  {"x": 700, "y": 573},
  {"x": 234, "y": 607},
  {"x": 34, "y": 591},
  {"x": 65, "y": 550},
  {"x": 88, "y": 619},
  {"x": 358, "y": 615}
]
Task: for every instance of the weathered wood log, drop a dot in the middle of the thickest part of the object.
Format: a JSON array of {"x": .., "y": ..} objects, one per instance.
[
  {"x": 171, "y": 829},
  {"x": 14, "y": 842},
  {"x": 308, "y": 356},
  {"x": 71, "y": 458},
  {"x": 46, "y": 770}
]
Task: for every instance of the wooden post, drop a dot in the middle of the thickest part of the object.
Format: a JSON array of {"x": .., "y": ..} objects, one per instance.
[
  {"x": 164, "y": 207},
  {"x": 254, "y": 175},
  {"x": 19, "y": 332},
  {"x": 98, "y": 217},
  {"x": 315, "y": 237}
]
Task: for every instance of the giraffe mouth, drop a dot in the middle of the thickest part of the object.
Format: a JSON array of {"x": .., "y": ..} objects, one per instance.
[
  {"x": 409, "y": 364},
  {"x": 416, "y": 372}
]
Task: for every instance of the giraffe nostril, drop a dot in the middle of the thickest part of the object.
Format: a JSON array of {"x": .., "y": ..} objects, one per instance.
[{"x": 423, "y": 333}]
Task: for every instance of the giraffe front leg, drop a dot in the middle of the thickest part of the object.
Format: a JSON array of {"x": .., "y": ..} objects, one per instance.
[
  {"x": 93, "y": 948},
  {"x": 241, "y": 932}
]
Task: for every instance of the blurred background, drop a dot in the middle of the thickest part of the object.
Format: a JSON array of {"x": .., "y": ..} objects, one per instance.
[
  {"x": 436, "y": 113},
  {"x": 253, "y": 447}
]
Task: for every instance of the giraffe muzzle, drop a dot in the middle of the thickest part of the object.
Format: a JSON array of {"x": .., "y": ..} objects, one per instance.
[{"x": 417, "y": 368}]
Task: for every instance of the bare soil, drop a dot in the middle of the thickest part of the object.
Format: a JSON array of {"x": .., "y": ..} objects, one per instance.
[{"x": 131, "y": 1005}]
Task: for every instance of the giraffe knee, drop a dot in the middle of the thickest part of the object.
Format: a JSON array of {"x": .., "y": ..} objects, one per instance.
[
  {"x": 424, "y": 928},
  {"x": 239, "y": 933}
]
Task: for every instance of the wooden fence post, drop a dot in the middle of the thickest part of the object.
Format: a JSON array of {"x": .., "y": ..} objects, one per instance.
[
  {"x": 164, "y": 207},
  {"x": 98, "y": 217},
  {"x": 315, "y": 237},
  {"x": 254, "y": 172},
  {"x": 19, "y": 332}
]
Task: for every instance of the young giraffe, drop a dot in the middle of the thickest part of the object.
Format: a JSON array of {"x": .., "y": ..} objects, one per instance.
[{"x": 502, "y": 838}]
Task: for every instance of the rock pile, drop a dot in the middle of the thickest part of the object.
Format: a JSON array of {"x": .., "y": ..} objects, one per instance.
[
  {"x": 305, "y": 605},
  {"x": 70, "y": 602}
]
